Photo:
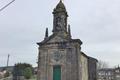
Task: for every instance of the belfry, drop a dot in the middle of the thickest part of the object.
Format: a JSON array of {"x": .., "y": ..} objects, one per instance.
[{"x": 60, "y": 57}]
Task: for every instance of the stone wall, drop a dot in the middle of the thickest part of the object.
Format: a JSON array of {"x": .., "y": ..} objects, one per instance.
[
  {"x": 67, "y": 58},
  {"x": 84, "y": 66}
]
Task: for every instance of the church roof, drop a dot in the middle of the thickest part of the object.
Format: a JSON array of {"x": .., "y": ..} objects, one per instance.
[
  {"x": 89, "y": 58},
  {"x": 84, "y": 54},
  {"x": 46, "y": 40},
  {"x": 93, "y": 59},
  {"x": 53, "y": 35}
]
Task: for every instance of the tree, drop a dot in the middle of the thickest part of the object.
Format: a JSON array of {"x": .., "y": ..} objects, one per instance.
[
  {"x": 102, "y": 64},
  {"x": 20, "y": 69},
  {"x": 27, "y": 73}
]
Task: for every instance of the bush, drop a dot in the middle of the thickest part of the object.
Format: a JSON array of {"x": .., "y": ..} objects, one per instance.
[
  {"x": 22, "y": 69},
  {"x": 27, "y": 73}
]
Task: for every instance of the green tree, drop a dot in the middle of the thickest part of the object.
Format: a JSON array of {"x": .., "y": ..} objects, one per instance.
[
  {"x": 22, "y": 69},
  {"x": 27, "y": 73}
]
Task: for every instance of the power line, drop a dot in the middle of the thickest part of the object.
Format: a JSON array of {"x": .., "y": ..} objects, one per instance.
[{"x": 6, "y": 5}]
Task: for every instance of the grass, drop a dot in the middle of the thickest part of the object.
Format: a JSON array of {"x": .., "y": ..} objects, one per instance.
[{"x": 33, "y": 78}]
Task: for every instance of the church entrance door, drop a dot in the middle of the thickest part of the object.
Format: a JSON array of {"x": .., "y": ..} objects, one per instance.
[{"x": 57, "y": 72}]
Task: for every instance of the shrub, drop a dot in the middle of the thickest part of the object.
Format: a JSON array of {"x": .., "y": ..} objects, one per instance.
[
  {"x": 22, "y": 69},
  {"x": 27, "y": 73}
]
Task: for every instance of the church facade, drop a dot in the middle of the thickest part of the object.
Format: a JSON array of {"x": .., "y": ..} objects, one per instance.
[{"x": 60, "y": 57}]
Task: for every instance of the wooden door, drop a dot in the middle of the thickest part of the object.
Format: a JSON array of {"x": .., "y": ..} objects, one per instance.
[{"x": 57, "y": 73}]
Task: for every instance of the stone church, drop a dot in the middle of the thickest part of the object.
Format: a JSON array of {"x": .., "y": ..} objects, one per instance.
[{"x": 60, "y": 57}]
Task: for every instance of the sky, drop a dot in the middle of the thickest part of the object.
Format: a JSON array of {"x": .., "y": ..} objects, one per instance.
[{"x": 95, "y": 22}]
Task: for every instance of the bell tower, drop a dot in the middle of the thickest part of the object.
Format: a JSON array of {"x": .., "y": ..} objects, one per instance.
[
  {"x": 60, "y": 56},
  {"x": 60, "y": 18}
]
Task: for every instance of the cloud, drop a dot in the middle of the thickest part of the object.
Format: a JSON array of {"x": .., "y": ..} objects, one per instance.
[{"x": 95, "y": 22}]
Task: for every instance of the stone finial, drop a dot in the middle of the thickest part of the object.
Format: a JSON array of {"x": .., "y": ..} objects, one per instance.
[
  {"x": 69, "y": 31},
  {"x": 46, "y": 33},
  {"x": 60, "y": 6}
]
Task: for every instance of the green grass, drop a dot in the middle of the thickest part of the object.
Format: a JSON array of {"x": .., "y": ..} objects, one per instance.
[{"x": 33, "y": 78}]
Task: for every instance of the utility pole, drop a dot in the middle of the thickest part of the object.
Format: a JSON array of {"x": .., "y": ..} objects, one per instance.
[{"x": 8, "y": 59}]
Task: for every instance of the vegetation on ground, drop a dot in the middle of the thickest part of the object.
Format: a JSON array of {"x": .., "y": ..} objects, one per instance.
[
  {"x": 27, "y": 73},
  {"x": 23, "y": 69}
]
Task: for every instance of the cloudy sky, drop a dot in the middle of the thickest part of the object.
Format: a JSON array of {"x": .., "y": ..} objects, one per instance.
[{"x": 95, "y": 22}]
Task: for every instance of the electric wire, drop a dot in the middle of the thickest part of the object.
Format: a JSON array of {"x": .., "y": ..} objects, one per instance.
[{"x": 6, "y": 5}]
